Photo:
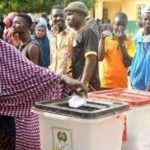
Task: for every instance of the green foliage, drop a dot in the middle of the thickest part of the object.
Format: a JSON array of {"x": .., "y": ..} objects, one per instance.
[
  {"x": 89, "y": 3},
  {"x": 36, "y": 5},
  {"x": 18, "y": 5}
]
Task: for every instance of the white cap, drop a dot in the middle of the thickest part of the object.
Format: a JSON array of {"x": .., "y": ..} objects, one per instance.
[{"x": 146, "y": 9}]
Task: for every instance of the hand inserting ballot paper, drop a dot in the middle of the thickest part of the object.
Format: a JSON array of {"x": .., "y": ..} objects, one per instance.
[{"x": 77, "y": 101}]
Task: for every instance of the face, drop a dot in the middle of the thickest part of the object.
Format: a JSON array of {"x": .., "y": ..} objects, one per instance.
[
  {"x": 73, "y": 19},
  {"x": 119, "y": 25},
  {"x": 145, "y": 20},
  {"x": 19, "y": 25},
  {"x": 40, "y": 32},
  {"x": 58, "y": 18}
]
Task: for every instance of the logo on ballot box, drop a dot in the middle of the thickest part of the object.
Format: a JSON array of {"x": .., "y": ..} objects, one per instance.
[{"x": 62, "y": 139}]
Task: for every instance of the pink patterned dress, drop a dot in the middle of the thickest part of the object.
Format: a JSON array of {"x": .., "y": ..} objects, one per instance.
[{"x": 23, "y": 83}]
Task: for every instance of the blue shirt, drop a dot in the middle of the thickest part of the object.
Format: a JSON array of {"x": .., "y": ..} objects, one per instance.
[{"x": 140, "y": 68}]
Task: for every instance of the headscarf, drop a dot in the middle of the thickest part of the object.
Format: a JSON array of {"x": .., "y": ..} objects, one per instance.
[
  {"x": 8, "y": 20},
  {"x": 45, "y": 45},
  {"x": 43, "y": 21},
  {"x": 22, "y": 84},
  {"x": 8, "y": 35}
]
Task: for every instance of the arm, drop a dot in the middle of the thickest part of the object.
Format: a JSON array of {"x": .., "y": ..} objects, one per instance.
[
  {"x": 101, "y": 47},
  {"x": 126, "y": 58},
  {"x": 121, "y": 38},
  {"x": 34, "y": 53},
  {"x": 26, "y": 83},
  {"x": 90, "y": 64},
  {"x": 90, "y": 54},
  {"x": 75, "y": 85}
]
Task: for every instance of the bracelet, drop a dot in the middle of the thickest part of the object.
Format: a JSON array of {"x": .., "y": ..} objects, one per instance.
[{"x": 86, "y": 85}]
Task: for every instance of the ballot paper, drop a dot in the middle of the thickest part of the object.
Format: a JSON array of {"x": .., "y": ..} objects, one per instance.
[{"x": 77, "y": 101}]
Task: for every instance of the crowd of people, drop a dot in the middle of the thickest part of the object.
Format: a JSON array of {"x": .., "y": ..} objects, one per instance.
[{"x": 40, "y": 62}]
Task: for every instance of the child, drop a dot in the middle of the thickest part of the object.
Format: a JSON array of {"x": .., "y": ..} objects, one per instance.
[
  {"x": 140, "y": 69},
  {"x": 115, "y": 51}
]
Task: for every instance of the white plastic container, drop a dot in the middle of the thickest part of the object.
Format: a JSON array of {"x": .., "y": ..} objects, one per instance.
[
  {"x": 138, "y": 117},
  {"x": 62, "y": 132},
  {"x": 138, "y": 129}
]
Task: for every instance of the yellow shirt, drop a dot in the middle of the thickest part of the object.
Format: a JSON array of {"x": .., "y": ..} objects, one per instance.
[
  {"x": 113, "y": 73},
  {"x": 61, "y": 52}
]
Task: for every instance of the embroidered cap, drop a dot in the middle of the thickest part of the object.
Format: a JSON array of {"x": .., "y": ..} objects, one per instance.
[{"x": 146, "y": 9}]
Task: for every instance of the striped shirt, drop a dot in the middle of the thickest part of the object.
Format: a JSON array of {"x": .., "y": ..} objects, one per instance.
[{"x": 23, "y": 83}]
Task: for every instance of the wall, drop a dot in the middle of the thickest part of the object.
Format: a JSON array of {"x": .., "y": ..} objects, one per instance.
[
  {"x": 99, "y": 9},
  {"x": 127, "y": 6},
  {"x": 112, "y": 7}
]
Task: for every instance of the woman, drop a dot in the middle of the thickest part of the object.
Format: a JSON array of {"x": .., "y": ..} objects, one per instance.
[
  {"x": 41, "y": 37},
  {"x": 22, "y": 84}
]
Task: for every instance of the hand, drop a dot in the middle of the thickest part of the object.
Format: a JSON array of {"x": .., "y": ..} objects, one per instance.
[
  {"x": 75, "y": 85},
  {"x": 120, "y": 31},
  {"x": 120, "y": 34},
  {"x": 105, "y": 33}
]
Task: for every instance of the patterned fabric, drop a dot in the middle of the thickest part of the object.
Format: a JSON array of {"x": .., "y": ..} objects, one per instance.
[
  {"x": 61, "y": 52},
  {"x": 92, "y": 24},
  {"x": 23, "y": 84}
]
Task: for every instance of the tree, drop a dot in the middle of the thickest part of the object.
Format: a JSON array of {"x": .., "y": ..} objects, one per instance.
[
  {"x": 89, "y": 3},
  {"x": 36, "y": 5},
  {"x": 19, "y": 5}
]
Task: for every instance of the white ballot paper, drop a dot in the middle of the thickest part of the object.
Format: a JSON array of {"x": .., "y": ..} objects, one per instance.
[{"x": 77, "y": 101}]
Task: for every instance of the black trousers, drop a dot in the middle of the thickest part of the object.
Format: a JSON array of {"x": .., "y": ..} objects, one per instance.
[{"x": 7, "y": 133}]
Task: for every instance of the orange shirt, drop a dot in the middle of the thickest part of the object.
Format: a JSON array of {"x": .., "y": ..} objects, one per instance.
[{"x": 113, "y": 73}]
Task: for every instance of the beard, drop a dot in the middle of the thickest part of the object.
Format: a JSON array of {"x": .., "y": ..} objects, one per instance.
[
  {"x": 59, "y": 26},
  {"x": 16, "y": 32},
  {"x": 70, "y": 24},
  {"x": 13, "y": 30}
]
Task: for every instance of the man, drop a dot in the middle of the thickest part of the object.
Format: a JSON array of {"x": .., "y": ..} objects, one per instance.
[
  {"x": 85, "y": 45},
  {"x": 29, "y": 47},
  {"x": 115, "y": 51},
  {"x": 22, "y": 84},
  {"x": 140, "y": 68},
  {"x": 61, "y": 42}
]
